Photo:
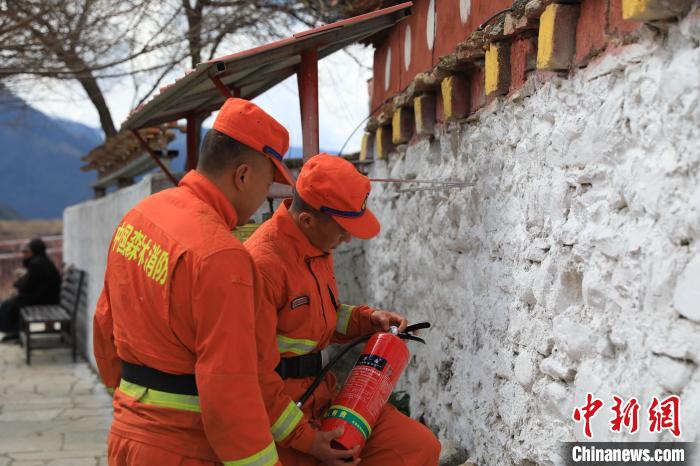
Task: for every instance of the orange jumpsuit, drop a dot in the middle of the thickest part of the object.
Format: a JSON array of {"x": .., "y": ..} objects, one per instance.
[
  {"x": 301, "y": 302},
  {"x": 179, "y": 296}
]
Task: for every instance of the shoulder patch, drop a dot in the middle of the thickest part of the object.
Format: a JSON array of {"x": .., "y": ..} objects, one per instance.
[{"x": 300, "y": 301}]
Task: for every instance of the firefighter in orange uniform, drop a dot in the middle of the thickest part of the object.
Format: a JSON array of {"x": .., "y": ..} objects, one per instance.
[
  {"x": 174, "y": 329},
  {"x": 293, "y": 251}
]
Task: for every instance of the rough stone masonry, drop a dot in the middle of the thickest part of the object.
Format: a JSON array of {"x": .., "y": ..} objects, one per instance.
[{"x": 571, "y": 266}]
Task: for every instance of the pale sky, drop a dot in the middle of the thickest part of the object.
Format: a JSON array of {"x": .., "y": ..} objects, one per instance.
[{"x": 343, "y": 99}]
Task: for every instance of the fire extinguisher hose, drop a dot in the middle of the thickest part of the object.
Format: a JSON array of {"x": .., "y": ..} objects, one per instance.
[{"x": 405, "y": 335}]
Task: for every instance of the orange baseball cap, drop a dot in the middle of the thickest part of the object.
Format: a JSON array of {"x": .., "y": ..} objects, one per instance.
[
  {"x": 331, "y": 184},
  {"x": 248, "y": 124}
]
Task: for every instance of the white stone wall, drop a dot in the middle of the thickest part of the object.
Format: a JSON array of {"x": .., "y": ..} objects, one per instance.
[
  {"x": 350, "y": 265},
  {"x": 571, "y": 266},
  {"x": 87, "y": 230}
]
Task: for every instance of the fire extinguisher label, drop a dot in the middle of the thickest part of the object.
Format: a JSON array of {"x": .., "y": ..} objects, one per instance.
[
  {"x": 372, "y": 360},
  {"x": 352, "y": 417}
]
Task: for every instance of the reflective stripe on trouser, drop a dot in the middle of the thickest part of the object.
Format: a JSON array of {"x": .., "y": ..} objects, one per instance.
[
  {"x": 344, "y": 313},
  {"x": 153, "y": 397},
  {"x": 265, "y": 457},
  {"x": 297, "y": 346},
  {"x": 287, "y": 422}
]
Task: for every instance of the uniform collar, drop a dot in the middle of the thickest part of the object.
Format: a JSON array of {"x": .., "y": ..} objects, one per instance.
[
  {"x": 211, "y": 195},
  {"x": 288, "y": 226}
]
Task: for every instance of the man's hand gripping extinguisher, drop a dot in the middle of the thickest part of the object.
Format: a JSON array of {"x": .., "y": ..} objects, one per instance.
[{"x": 368, "y": 387}]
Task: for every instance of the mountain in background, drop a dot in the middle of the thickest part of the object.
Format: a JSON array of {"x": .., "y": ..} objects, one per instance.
[
  {"x": 8, "y": 213},
  {"x": 40, "y": 161}
]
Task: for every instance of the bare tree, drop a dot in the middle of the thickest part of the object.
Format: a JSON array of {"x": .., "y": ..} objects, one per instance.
[
  {"x": 78, "y": 40},
  {"x": 209, "y": 23},
  {"x": 91, "y": 41}
]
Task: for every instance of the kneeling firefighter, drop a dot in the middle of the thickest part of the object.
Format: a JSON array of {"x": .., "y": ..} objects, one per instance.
[{"x": 293, "y": 251}]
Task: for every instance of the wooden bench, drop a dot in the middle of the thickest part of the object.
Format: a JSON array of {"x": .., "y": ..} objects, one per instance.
[{"x": 57, "y": 319}]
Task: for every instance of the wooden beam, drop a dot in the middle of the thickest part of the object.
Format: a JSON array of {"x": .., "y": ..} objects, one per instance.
[{"x": 155, "y": 157}]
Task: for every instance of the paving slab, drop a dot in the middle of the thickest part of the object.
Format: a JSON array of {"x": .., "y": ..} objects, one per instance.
[{"x": 52, "y": 413}]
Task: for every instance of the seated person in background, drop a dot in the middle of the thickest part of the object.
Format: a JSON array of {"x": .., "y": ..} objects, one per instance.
[{"x": 41, "y": 284}]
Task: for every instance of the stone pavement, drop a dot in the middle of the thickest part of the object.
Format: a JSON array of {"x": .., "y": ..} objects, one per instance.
[
  {"x": 53, "y": 412},
  {"x": 58, "y": 413}
]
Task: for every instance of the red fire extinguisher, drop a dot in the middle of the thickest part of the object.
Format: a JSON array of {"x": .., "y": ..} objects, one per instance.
[{"x": 368, "y": 387}]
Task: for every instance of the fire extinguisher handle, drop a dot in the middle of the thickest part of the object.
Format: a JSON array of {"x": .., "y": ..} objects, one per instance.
[
  {"x": 419, "y": 326},
  {"x": 408, "y": 336},
  {"x": 319, "y": 378}
]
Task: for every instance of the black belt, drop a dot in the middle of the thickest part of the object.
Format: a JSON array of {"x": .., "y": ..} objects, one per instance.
[
  {"x": 299, "y": 367},
  {"x": 153, "y": 378}
]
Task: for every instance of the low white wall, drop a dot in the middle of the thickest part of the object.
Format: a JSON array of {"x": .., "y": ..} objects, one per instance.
[
  {"x": 571, "y": 266},
  {"x": 87, "y": 230}
]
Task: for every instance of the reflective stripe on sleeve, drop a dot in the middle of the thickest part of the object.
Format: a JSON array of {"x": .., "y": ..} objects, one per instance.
[
  {"x": 157, "y": 398},
  {"x": 287, "y": 422},
  {"x": 265, "y": 457},
  {"x": 295, "y": 345},
  {"x": 343, "y": 316}
]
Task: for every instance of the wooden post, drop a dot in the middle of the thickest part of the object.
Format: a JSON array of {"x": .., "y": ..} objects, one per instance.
[
  {"x": 193, "y": 129},
  {"x": 307, "y": 77}
]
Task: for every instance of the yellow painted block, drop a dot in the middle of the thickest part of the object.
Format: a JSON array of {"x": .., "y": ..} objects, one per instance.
[
  {"x": 491, "y": 69},
  {"x": 366, "y": 146},
  {"x": 455, "y": 96},
  {"x": 649, "y": 10},
  {"x": 396, "y": 136},
  {"x": 545, "y": 39},
  {"x": 447, "y": 88},
  {"x": 633, "y": 9},
  {"x": 380, "y": 143},
  {"x": 497, "y": 69},
  {"x": 424, "y": 114},
  {"x": 402, "y": 125},
  {"x": 418, "y": 111},
  {"x": 556, "y": 43}
]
